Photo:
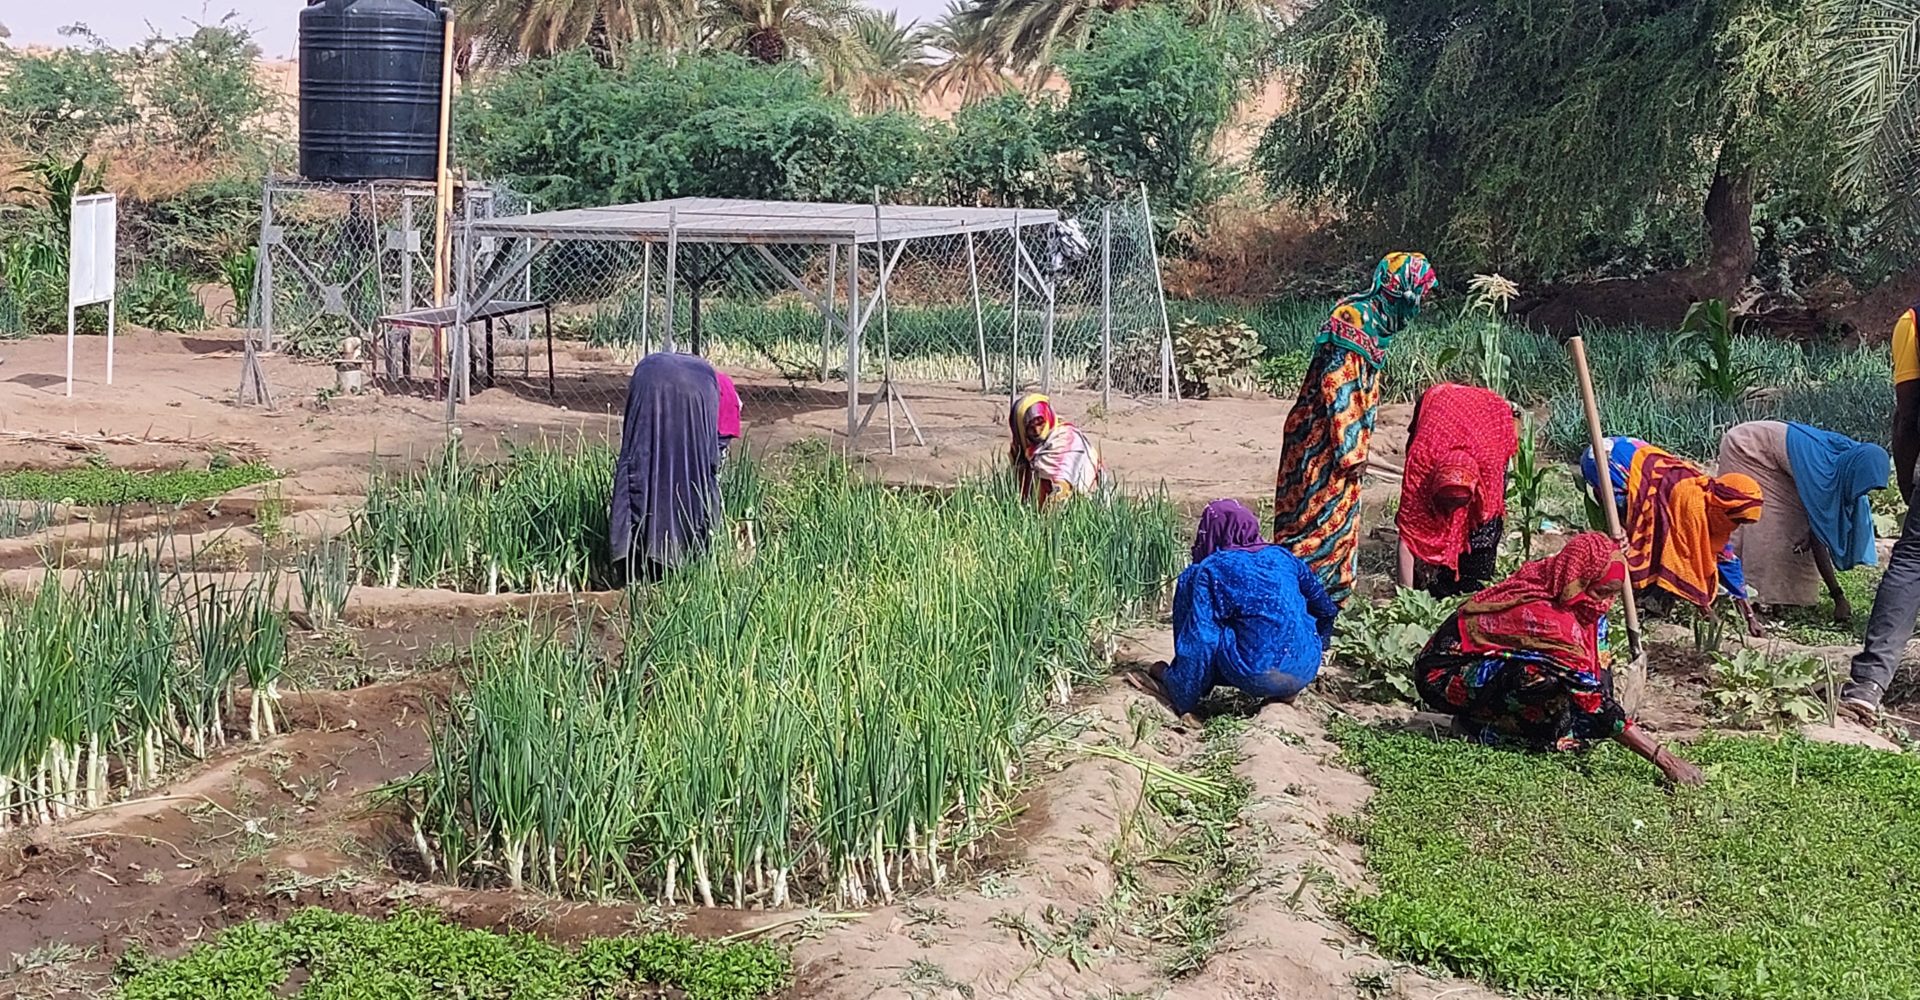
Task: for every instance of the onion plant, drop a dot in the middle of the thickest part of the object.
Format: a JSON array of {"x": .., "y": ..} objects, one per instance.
[
  {"x": 841, "y": 713},
  {"x": 103, "y": 681}
]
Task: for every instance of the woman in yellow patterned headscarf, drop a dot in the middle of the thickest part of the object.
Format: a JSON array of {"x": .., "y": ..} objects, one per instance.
[
  {"x": 1051, "y": 457},
  {"x": 1323, "y": 452}
]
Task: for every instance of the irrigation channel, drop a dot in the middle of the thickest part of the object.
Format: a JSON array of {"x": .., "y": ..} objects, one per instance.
[{"x": 834, "y": 704}]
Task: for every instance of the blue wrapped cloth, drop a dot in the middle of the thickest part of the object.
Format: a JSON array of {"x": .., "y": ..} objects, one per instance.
[
  {"x": 1833, "y": 474},
  {"x": 1258, "y": 620}
]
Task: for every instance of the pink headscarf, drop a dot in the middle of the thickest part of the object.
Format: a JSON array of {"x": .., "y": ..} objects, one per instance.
[{"x": 729, "y": 405}]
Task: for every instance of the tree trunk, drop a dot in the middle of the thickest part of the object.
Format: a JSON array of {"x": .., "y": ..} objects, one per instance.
[
  {"x": 1661, "y": 300},
  {"x": 1870, "y": 318}
]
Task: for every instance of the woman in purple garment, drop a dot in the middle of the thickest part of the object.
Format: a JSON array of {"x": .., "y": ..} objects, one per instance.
[{"x": 666, "y": 484}]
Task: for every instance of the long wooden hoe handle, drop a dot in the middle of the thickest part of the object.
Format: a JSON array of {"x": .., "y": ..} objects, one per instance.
[{"x": 1631, "y": 692}]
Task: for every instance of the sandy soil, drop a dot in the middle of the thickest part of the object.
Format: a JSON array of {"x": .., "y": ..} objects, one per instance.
[{"x": 262, "y": 828}]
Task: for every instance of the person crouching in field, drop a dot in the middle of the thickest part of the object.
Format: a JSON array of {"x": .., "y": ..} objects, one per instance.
[
  {"x": 1524, "y": 662},
  {"x": 666, "y": 482},
  {"x": 1245, "y": 613},
  {"x": 1453, "y": 497},
  {"x": 1052, "y": 459},
  {"x": 1679, "y": 522}
]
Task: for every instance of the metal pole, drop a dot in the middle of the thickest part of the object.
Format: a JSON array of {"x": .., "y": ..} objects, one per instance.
[
  {"x": 646, "y": 299},
  {"x": 673, "y": 261},
  {"x": 263, "y": 297},
  {"x": 979, "y": 328},
  {"x": 1013, "y": 327},
  {"x": 854, "y": 325},
  {"x": 466, "y": 289},
  {"x": 886, "y": 324},
  {"x": 1106, "y": 308},
  {"x": 1160, "y": 291},
  {"x": 1046, "y": 333},
  {"x": 826, "y": 321}
]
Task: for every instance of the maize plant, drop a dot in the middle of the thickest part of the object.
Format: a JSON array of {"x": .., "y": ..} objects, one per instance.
[{"x": 841, "y": 713}]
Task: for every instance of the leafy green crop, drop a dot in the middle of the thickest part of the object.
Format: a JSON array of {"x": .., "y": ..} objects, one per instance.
[
  {"x": 99, "y": 486},
  {"x": 1376, "y": 641},
  {"x": 1751, "y": 689},
  {"x": 417, "y": 954},
  {"x": 1787, "y": 876}
]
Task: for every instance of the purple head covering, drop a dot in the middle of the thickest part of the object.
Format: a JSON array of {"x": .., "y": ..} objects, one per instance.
[{"x": 1224, "y": 525}]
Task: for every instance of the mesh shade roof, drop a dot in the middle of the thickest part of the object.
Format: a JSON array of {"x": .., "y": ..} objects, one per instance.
[{"x": 727, "y": 220}]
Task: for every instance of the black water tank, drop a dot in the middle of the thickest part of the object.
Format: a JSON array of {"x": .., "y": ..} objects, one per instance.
[{"x": 370, "y": 89}]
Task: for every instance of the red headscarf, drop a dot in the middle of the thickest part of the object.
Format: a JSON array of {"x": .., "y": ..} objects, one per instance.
[
  {"x": 1547, "y": 606},
  {"x": 1462, "y": 442}
]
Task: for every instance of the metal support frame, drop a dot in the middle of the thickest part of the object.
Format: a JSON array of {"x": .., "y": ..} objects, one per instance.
[{"x": 1106, "y": 309}]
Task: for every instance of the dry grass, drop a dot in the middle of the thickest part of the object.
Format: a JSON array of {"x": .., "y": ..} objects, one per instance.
[{"x": 1251, "y": 246}]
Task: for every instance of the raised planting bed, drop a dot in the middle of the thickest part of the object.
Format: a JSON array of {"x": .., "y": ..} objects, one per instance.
[{"x": 840, "y": 712}]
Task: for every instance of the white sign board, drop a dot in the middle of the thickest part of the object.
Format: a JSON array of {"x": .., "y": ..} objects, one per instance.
[{"x": 92, "y": 236}]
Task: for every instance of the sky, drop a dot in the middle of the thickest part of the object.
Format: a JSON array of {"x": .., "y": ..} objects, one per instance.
[{"x": 275, "y": 23}]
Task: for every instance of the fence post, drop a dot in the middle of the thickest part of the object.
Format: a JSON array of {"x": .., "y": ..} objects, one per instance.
[
  {"x": 1013, "y": 324},
  {"x": 668, "y": 341},
  {"x": 826, "y": 321},
  {"x": 264, "y": 268},
  {"x": 1106, "y": 308},
  {"x": 1160, "y": 291},
  {"x": 646, "y": 299},
  {"x": 979, "y": 328},
  {"x": 854, "y": 326}
]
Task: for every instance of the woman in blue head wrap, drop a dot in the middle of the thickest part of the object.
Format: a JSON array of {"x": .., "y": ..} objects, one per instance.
[{"x": 1818, "y": 519}]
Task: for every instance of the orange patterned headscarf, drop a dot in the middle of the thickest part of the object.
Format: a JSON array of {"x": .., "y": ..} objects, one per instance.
[{"x": 1678, "y": 521}]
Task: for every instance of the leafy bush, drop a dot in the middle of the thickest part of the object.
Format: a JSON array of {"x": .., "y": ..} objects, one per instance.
[
  {"x": 415, "y": 953},
  {"x": 1204, "y": 352},
  {"x": 1281, "y": 375},
  {"x": 57, "y": 102},
  {"x": 568, "y": 132},
  {"x": 203, "y": 89},
  {"x": 1004, "y": 150},
  {"x": 1147, "y": 97},
  {"x": 1377, "y": 641},
  {"x": 159, "y": 298},
  {"x": 1752, "y": 689},
  {"x": 1580, "y": 876}
]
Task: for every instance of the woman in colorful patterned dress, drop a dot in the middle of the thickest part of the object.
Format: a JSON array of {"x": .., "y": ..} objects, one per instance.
[
  {"x": 1323, "y": 453},
  {"x": 1679, "y": 522},
  {"x": 1523, "y": 663},
  {"x": 1051, "y": 458}
]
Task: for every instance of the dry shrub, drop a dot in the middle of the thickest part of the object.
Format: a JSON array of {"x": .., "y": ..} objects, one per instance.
[{"x": 1251, "y": 246}]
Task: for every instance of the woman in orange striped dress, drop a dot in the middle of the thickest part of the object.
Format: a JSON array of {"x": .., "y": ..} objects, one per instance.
[{"x": 1323, "y": 453}]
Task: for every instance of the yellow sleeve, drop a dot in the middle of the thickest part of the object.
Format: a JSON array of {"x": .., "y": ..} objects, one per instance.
[{"x": 1906, "y": 349}]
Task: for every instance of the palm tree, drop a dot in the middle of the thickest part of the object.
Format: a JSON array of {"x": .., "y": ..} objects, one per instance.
[
  {"x": 972, "y": 65},
  {"x": 1879, "y": 74},
  {"x": 1023, "y": 34},
  {"x": 889, "y": 62},
  {"x": 509, "y": 29},
  {"x": 773, "y": 31}
]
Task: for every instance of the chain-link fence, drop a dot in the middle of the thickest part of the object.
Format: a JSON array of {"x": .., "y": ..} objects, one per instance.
[
  {"x": 335, "y": 258},
  {"x": 918, "y": 303},
  {"x": 922, "y": 305}
]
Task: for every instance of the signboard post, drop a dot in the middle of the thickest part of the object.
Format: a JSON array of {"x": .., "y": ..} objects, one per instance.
[{"x": 90, "y": 266}]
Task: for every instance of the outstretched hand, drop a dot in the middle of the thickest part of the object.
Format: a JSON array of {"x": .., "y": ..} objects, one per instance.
[{"x": 1678, "y": 770}]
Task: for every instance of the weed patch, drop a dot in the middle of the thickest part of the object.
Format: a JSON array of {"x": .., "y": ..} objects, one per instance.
[
  {"x": 1786, "y": 876},
  {"x": 416, "y": 954},
  {"x": 100, "y": 486}
]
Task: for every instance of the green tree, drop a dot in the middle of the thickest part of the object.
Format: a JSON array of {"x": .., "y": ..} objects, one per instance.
[
  {"x": 503, "y": 31},
  {"x": 1148, "y": 97},
  {"x": 59, "y": 102},
  {"x": 888, "y": 64},
  {"x": 1511, "y": 133},
  {"x": 203, "y": 90},
  {"x": 971, "y": 66},
  {"x": 819, "y": 32},
  {"x": 570, "y": 132},
  {"x": 1005, "y": 151},
  {"x": 1878, "y": 70}
]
